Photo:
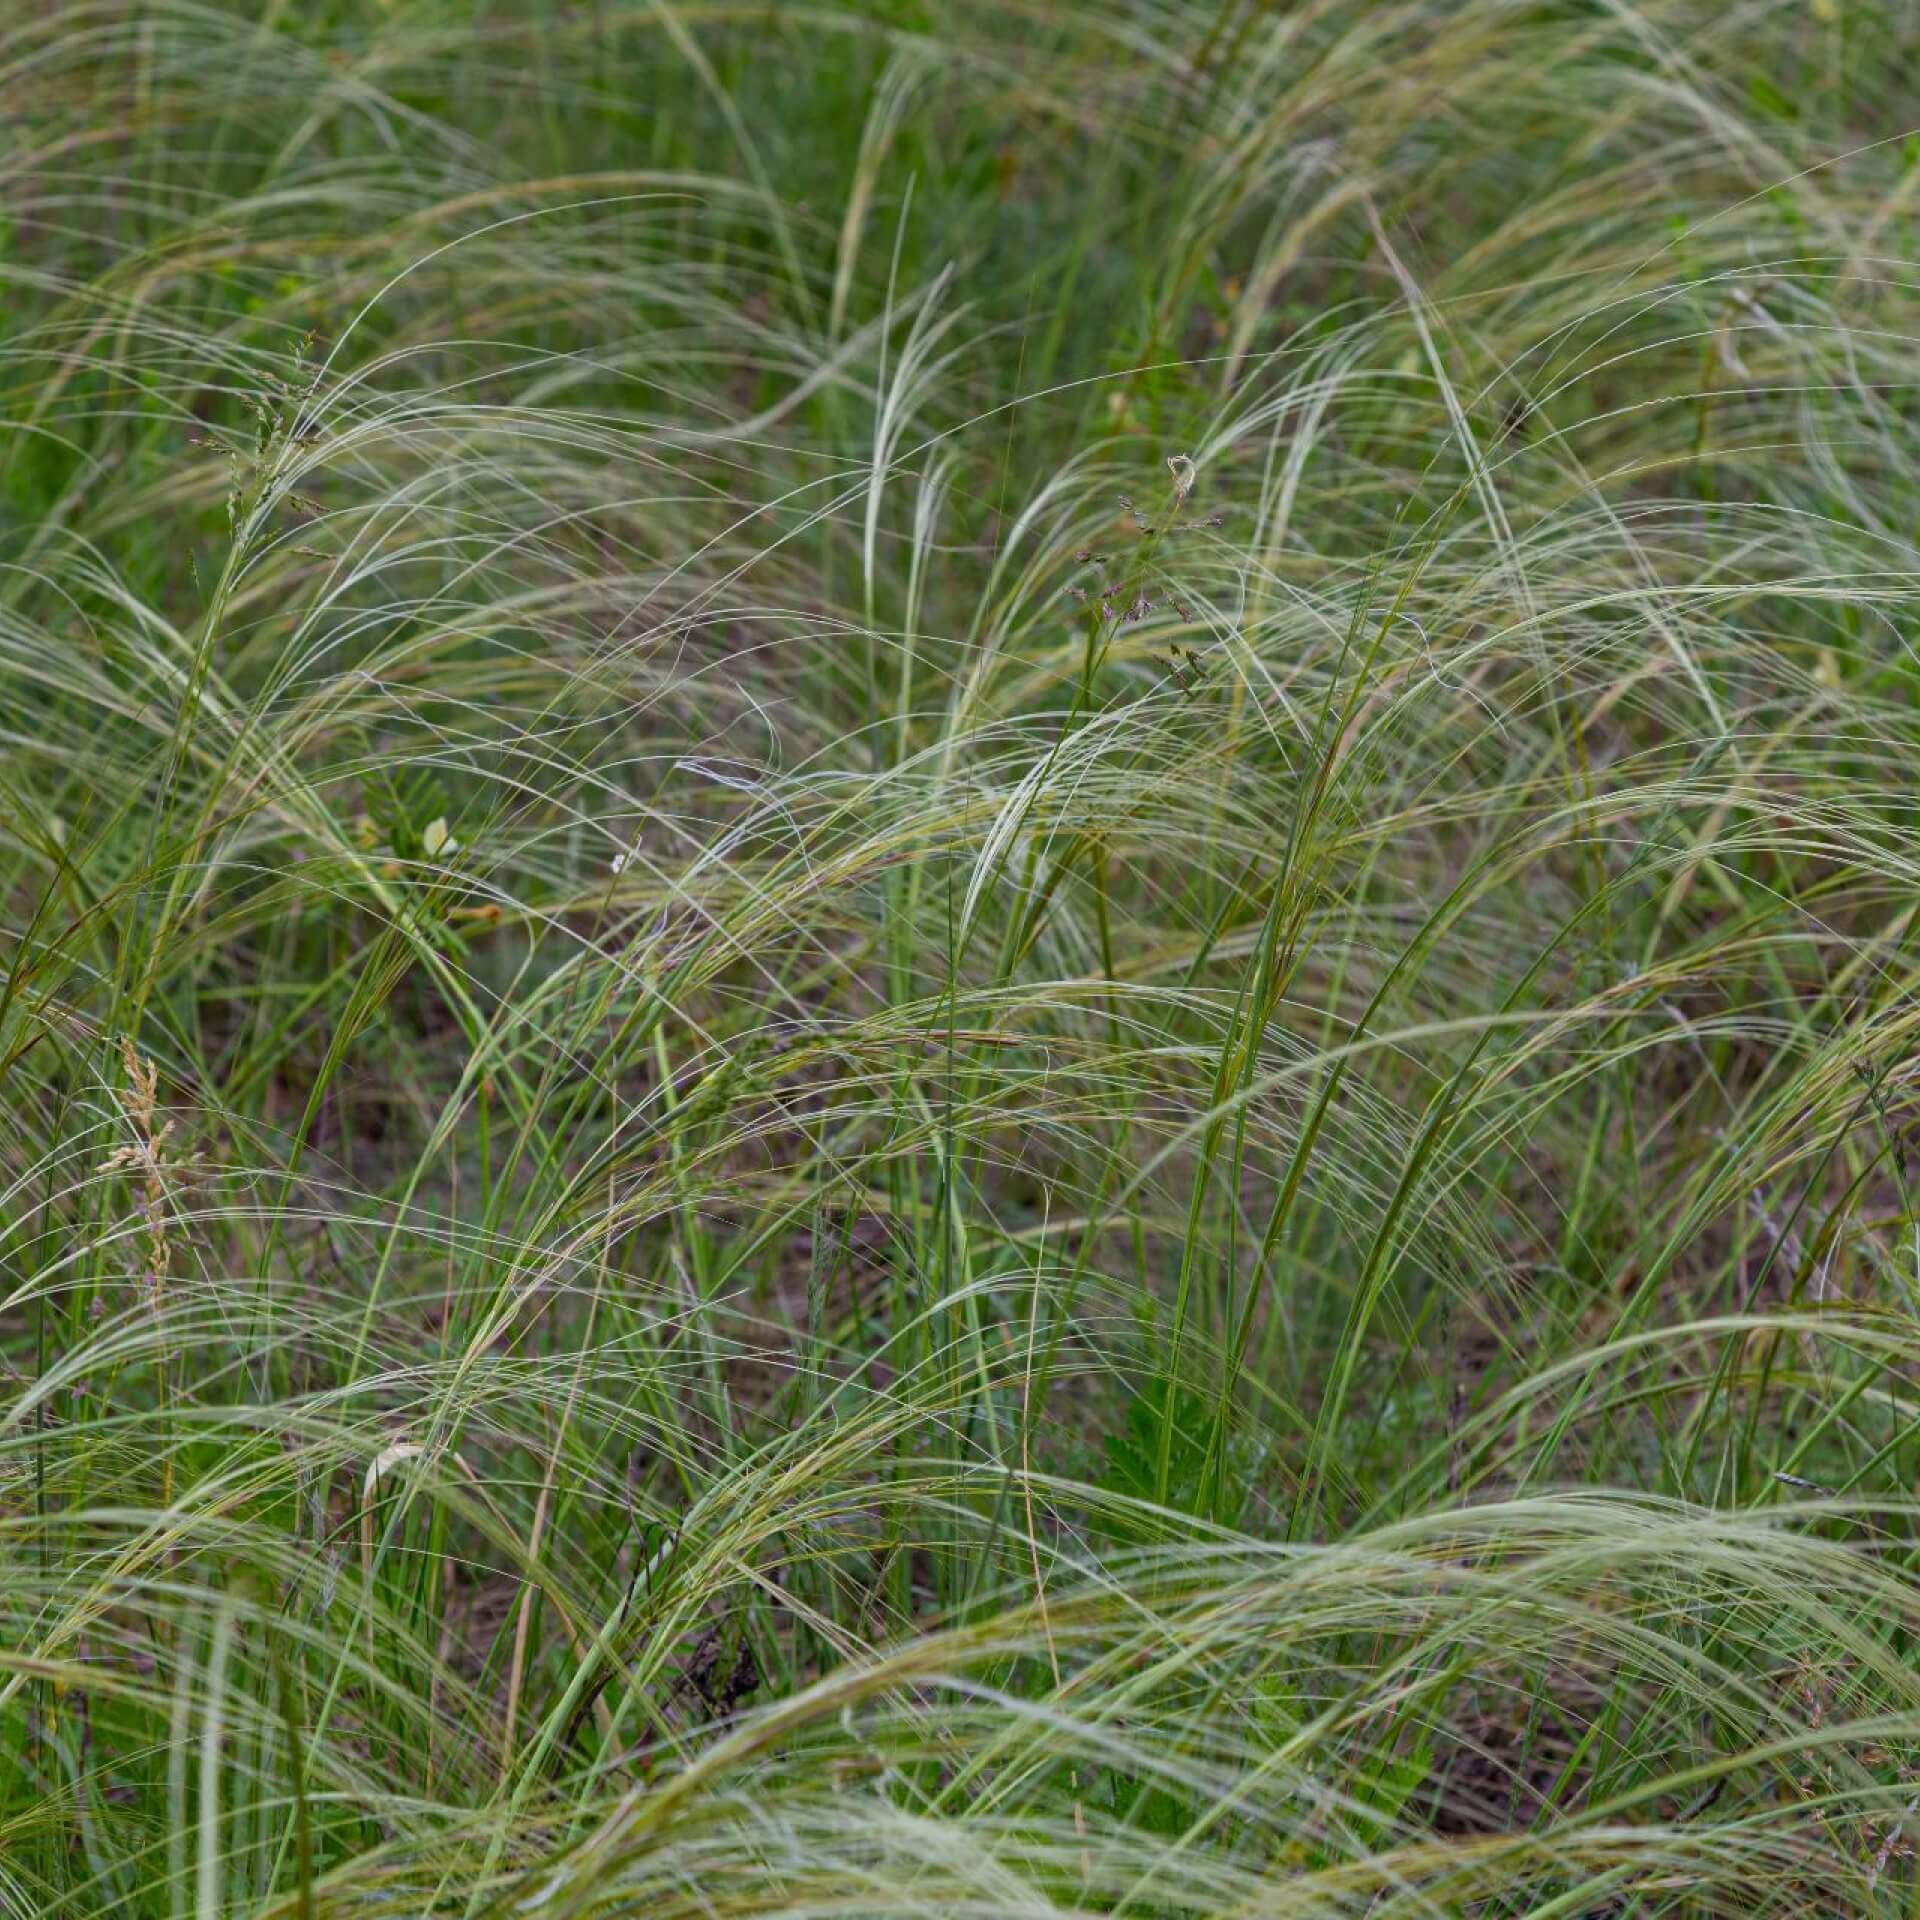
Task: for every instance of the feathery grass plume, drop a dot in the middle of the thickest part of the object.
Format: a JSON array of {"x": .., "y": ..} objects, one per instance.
[{"x": 1034, "y": 889}]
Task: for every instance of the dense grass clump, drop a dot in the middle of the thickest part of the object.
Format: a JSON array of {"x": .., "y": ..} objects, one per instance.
[{"x": 959, "y": 958}]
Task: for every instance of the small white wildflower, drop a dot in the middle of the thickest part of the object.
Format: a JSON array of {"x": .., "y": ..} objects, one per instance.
[
  {"x": 1181, "y": 466},
  {"x": 437, "y": 841}
]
